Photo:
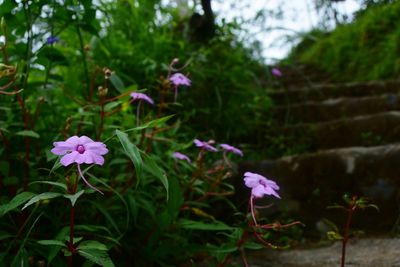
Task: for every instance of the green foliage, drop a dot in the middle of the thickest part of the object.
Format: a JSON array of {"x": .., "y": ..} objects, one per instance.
[
  {"x": 366, "y": 49},
  {"x": 67, "y": 69}
]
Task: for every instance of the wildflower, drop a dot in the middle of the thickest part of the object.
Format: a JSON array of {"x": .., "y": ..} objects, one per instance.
[
  {"x": 178, "y": 79},
  {"x": 80, "y": 150},
  {"x": 232, "y": 149},
  {"x": 276, "y": 72},
  {"x": 260, "y": 185},
  {"x": 141, "y": 97},
  {"x": 52, "y": 40},
  {"x": 205, "y": 145},
  {"x": 181, "y": 156}
]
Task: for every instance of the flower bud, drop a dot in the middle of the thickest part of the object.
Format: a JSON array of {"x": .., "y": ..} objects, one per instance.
[
  {"x": 107, "y": 73},
  {"x": 102, "y": 91}
]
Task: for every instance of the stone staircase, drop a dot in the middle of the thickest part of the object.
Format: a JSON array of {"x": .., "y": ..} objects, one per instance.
[{"x": 350, "y": 133}]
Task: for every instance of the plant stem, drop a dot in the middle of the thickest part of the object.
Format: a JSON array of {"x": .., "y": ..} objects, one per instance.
[
  {"x": 25, "y": 115},
  {"x": 71, "y": 247},
  {"x": 84, "y": 61},
  {"x": 346, "y": 234},
  {"x": 101, "y": 128}
]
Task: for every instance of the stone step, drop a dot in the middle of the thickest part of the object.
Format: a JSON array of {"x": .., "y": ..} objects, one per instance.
[
  {"x": 311, "y": 182},
  {"x": 336, "y": 108},
  {"x": 368, "y": 252},
  {"x": 326, "y": 91},
  {"x": 367, "y": 130}
]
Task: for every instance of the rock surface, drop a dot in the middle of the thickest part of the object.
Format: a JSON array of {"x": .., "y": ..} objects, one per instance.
[{"x": 362, "y": 252}]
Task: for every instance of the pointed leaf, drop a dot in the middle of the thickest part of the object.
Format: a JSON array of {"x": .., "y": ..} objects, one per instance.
[
  {"x": 97, "y": 256},
  {"x": 197, "y": 225},
  {"x": 28, "y": 133},
  {"x": 92, "y": 244},
  {"x": 15, "y": 202},
  {"x": 152, "y": 167},
  {"x": 117, "y": 82},
  {"x": 132, "y": 151},
  {"x": 74, "y": 198},
  {"x": 52, "y": 243},
  {"x": 43, "y": 196},
  {"x": 156, "y": 122},
  {"x": 61, "y": 185}
]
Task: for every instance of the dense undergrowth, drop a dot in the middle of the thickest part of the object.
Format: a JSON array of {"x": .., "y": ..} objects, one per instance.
[
  {"x": 366, "y": 49},
  {"x": 91, "y": 119}
]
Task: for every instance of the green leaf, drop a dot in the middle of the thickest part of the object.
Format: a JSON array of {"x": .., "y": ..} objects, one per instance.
[
  {"x": 253, "y": 245},
  {"x": 109, "y": 106},
  {"x": 43, "y": 196},
  {"x": 99, "y": 257},
  {"x": 195, "y": 225},
  {"x": 55, "y": 249},
  {"x": 61, "y": 185},
  {"x": 73, "y": 198},
  {"x": 28, "y": 133},
  {"x": 92, "y": 244},
  {"x": 15, "y": 202},
  {"x": 175, "y": 199},
  {"x": 132, "y": 151},
  {"x": 107, "y": 215},
  {"x": 52, "y": 243},
  {"x": 150, "y": 124},
  {"x": 117, "y": 83},
  {"x": 152, "y": 167},
  {"x": 332, "y": 235}
]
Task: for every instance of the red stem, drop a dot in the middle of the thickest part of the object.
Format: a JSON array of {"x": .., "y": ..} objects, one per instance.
[
  {"x": 71, "y": 246},
  {"x": 346, "y": 235},
  {"x": 21, "y": 103}
]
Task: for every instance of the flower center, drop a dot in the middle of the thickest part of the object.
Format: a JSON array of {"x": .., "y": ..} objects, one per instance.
[{"x": 80, "y": 149}]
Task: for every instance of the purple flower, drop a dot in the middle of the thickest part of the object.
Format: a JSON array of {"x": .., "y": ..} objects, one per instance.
[
  {"x": 232, "y": 149},
  {"x": 80, "y": 150},
  {"x": 179, "y": 79},
  {"x": 260, "y": 185},
  {"x": 276, "y": 72},
  {"x": 181, "y": 156},
  {"x": 204, "y": 145},
  {"x": 52, "y": 39},
  {"x": 141, "y": 96}
]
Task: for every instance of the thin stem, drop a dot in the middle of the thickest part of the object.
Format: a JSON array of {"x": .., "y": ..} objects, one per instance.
[
  {"x": 71, "y": 247},
  {"x": 86, "y": 182},
  {"x": 138, "y": 113},
  {"x": 176, "y": 93},
  {"x": 101, "y": 128},
  {"x": 252, "y": 210},
  {"x": 346, "y": 235},
  {"x": 243, "y": 257},
  {"x": 84, "y": 61}
]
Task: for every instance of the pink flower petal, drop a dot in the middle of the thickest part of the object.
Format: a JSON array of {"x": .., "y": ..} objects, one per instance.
[{"x": 69, "y": 158}]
